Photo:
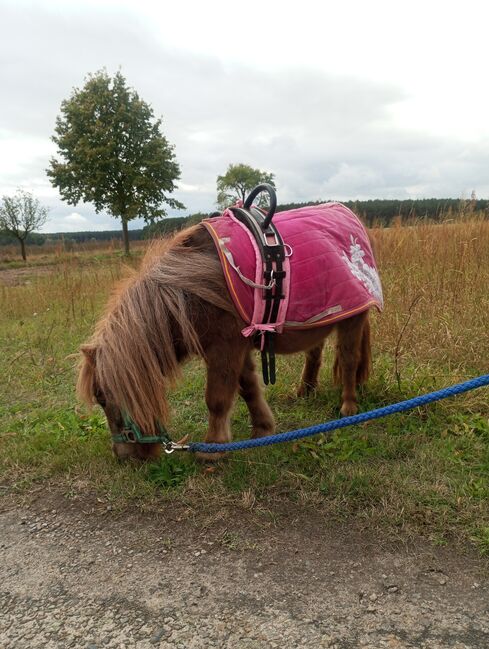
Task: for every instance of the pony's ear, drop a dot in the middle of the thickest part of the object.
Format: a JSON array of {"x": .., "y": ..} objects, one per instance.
[
  {"x": 90, "y": 353},
  {"x": 85, "y": 386}
]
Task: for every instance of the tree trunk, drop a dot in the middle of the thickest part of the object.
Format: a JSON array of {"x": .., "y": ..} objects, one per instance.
[
  {"x": 125, "y": 233},
  {"x": 22, "y": 248}
]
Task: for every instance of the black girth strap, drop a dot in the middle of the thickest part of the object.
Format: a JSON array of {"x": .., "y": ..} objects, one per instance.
[{"x": 272, "y": 251}]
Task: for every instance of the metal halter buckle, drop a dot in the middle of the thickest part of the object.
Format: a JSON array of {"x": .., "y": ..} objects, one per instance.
[{"x": 128, "y": 435}]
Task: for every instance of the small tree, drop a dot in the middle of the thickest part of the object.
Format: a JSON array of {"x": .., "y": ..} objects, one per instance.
[
  {"x": 238, "y": 181},
  {"x": 113, "y": 152},
  {"x": 20, "y": 215}
]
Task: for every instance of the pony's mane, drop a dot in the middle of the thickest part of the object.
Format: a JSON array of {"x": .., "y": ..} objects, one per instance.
[{"x": 132, "y": 357}]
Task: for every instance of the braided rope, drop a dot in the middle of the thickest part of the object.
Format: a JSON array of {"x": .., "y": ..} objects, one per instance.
[{"x": 292, "y": 435}]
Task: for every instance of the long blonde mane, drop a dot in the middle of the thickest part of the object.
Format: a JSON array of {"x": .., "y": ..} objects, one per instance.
[{"x": 132, "y": 356}]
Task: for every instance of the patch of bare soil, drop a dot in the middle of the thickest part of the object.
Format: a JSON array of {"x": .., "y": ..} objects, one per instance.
[
  {"x": 19, "y": 276},
  {"x": 74, "y": 573}
]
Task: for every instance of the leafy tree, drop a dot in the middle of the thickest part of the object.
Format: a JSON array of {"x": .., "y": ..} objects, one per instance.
[
  {"x": 238, "y": 181},
  {"x": 113, "y": 152},
  {"x": 20, "y": 215}
]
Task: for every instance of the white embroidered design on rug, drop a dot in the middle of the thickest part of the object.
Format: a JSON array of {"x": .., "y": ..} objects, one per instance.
[{"x": 362, "y": 271}]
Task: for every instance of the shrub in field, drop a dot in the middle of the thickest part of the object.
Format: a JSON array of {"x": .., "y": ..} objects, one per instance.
[{"x": 20, "y": 215}]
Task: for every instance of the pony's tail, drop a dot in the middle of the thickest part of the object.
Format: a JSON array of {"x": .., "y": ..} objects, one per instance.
[{"x": 365, "y": 363}]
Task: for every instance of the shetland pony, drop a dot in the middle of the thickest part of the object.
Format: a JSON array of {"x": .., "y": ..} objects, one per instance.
[{"x": 177, "y": 306}]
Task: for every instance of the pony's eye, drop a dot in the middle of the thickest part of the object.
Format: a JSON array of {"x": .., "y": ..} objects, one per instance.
[{"x": 100, "y": 399}]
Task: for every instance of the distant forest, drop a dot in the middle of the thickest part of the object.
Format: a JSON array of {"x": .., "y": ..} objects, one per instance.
[{"x": 373, "y": 212}]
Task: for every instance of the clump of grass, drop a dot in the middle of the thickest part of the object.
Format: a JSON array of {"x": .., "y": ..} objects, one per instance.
[{"x": 169, "y": 475}]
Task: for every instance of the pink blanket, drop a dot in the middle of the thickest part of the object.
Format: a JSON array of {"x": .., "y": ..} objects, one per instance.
[{"x": 331, "y": 271}]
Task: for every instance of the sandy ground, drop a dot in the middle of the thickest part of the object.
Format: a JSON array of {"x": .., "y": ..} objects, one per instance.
[
  {"x": 77, "y": 575},
  {"x": 18, "y": 276}
]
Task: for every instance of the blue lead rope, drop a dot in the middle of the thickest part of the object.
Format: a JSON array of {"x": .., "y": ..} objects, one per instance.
[{"x": 345, "y": 421}]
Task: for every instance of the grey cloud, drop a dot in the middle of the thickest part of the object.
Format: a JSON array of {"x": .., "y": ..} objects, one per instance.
[{"x": 323, "y": 136}]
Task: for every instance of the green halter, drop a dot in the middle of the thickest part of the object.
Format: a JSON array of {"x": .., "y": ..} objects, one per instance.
[{"x": 131, "y": 434}]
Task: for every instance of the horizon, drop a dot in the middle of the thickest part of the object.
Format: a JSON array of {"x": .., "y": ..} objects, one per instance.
[{"x": 118, "y": 230}]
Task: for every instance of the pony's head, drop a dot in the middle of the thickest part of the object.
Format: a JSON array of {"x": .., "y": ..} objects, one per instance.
[
  {"x": 148, "y": 329},
  {"x": 94, "y": 390}
]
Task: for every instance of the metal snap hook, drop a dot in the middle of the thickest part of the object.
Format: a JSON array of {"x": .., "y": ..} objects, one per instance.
[{"x": 171, "y": 447}]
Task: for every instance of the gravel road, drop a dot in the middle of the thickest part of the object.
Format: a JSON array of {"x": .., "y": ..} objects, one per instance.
[{"x": 84, "y": 576}]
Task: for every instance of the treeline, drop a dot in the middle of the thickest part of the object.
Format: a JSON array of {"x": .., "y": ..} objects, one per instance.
[
  {"x": 158, "y": 228},
  {"x": 165, "y": 226},
  {"x": 373, "y": 212},
  {"x": 383, "y": 212},
  {"x": 33, "y": 239}
]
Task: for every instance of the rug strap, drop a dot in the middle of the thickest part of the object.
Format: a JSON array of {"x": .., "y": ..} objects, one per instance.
[{"x": 268, "y": 358}]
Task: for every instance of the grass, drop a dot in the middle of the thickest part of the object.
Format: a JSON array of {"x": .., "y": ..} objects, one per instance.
[{"x": 425, "y": 471}]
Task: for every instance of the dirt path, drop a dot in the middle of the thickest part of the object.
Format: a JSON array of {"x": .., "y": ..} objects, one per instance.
[
  {"x": 78, "y": 575},
  {"x": 17, "y": 276}
]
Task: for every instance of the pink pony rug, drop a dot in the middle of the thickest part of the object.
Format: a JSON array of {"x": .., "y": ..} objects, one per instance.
[{"x": 330, "y": 268}]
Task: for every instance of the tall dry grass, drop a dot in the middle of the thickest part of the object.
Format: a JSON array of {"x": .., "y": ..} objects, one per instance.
[
  {"x": 436, "y": 284},
  {"x": 70, "y": 291}
]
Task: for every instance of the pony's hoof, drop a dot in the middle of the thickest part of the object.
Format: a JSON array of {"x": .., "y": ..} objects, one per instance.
[
  {"x": 349, "y": 408},
  {"x": 262, "y": 431},
  {"x": 210, "y": 457},
  {"x": 305, "y": 389}
]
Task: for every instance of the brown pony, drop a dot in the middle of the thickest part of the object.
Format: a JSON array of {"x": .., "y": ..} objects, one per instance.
[{"x": 177, "y": 306}]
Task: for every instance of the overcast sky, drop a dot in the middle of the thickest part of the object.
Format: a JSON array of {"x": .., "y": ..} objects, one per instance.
[{"x": 344, "y": 100}]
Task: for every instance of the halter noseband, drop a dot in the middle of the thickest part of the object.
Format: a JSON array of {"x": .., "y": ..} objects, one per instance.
[{"x": 131, "y": 434}]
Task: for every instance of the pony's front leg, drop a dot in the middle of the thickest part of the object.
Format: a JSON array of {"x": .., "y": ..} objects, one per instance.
[{"x": 223, "y": 371}]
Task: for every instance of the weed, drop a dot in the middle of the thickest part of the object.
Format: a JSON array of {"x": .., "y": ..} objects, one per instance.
[
  {"x": 481, "y": 538},
  {"x": 168, "y": 475}
]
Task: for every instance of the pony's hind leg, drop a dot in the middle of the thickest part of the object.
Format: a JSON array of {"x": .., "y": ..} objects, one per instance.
[
  {"x": 249, "y": 388},
  {"x": 224, "y": 365},
  {"x": 352, "y": 359},
  {"x": 310, "y": 373}
]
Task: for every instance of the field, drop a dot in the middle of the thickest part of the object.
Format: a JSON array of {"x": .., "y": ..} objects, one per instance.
[{"x": 424, "y": 472}]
